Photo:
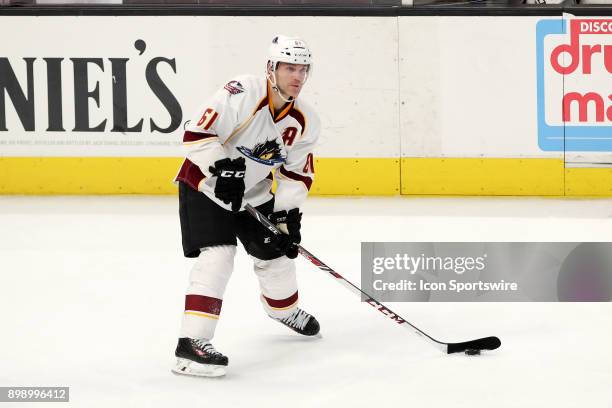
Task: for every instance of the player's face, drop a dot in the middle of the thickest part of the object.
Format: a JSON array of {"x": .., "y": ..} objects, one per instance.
[{"x": 291, "y": 77}]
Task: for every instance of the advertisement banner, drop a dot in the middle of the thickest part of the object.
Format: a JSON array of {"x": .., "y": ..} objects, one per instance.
[
  {"x": 578, "y": 50},
  {"x": 94, "y": 86}
]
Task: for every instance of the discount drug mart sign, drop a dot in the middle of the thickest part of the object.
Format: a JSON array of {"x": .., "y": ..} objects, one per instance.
[{"x": 574, "y": 84}]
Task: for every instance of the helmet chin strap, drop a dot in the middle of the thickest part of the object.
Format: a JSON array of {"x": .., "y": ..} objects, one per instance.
[{"x": 272, "y": 78}]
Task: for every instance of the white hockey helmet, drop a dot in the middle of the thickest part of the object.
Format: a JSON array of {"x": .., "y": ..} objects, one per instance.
[{"x": 291, "y": 50}]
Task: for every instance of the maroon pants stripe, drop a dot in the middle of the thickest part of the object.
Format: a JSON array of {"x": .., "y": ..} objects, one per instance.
[
  {"x": 204, "y": 304},
  {"x": 282, "y": 303}
]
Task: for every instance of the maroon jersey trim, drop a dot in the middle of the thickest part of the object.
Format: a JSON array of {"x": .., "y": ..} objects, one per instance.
[
  {"x": 297, "y": 177},
  {"x": 194, "y": 137},
  {"x": 190, "y": 174},
  {"x": 299, "y": 116}
]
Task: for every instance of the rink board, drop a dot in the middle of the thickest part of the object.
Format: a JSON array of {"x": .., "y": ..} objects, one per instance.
[
  {"x": 155, "y": 175},
  {"x": 440, "y": 105},
  {"x": 470, "y": 176},
  {"x": 426, "y": 176}
]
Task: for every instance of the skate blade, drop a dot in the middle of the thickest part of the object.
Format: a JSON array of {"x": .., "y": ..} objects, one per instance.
[{"x": 188, "y": 367}]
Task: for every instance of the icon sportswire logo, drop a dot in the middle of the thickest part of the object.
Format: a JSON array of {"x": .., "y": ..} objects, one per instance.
[{"x": 574, "y": 63}]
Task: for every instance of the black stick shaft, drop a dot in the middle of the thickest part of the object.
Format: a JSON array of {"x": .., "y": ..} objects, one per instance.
[{"x": 485, "y": 343}]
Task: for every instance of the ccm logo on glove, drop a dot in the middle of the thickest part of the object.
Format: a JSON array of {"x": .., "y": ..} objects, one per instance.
[
  {"x": 230, "y": 181},
  {"x": 231, "y": 173}
]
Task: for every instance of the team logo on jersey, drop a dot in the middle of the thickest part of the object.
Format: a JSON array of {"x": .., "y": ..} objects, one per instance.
[
  {"x": 234, "y": 87},
  {"x": 268, "y": 153}
]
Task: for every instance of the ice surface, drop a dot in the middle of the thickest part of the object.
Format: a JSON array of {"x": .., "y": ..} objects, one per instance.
[{"x": 91, "y": 297}]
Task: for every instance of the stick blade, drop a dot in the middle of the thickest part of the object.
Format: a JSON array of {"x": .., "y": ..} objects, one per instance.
[{"x": 486, "y": 343}]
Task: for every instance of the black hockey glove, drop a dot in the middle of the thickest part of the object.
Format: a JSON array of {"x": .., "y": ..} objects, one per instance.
[
  {"x": 289, "y": 223},
  {"x": 230, "y": 181}
]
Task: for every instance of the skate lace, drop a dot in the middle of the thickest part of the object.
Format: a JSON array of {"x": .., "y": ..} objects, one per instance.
[
  {"x": 298, "y": 319},
  {"x": 205, "y": 346}
]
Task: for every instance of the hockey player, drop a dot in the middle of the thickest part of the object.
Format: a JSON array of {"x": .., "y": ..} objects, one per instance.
[{"x": 248, "y": 128}]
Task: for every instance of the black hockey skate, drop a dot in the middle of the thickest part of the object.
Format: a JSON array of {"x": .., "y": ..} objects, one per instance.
[
  {"x": 198, "y": 357},
  {"x": 301, "y": 322}
]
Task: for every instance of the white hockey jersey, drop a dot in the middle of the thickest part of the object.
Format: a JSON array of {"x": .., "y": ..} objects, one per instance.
[{"x": 240, "y": 121}]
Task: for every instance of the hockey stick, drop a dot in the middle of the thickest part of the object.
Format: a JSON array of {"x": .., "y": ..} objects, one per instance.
[{"x": 469, "y": 347}]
